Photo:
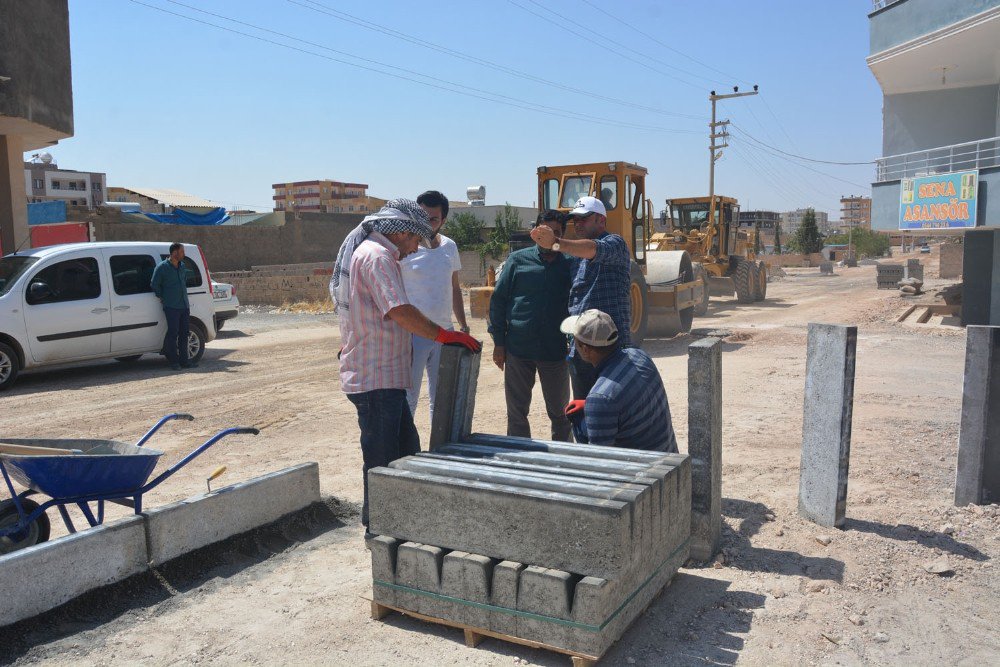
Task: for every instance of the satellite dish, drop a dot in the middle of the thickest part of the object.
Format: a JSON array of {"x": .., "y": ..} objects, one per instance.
[{"x": 46, "y": 158}]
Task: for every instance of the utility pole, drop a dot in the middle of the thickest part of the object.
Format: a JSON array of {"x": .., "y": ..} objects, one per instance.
[{"x": 714, "y": 134}]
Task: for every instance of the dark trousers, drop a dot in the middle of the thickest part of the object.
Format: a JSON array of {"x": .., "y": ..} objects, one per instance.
[
  {"x": 583, "y": 375},
  {"x": 387, "y": 431},
  {"x": 519, "y": 380},
  {"x": 175, "y": 345}
]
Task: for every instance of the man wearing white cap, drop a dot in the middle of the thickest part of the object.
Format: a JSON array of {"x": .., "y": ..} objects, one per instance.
[
  {"x": 627, "y": 406},
  {"x": 600, "y": 277}
]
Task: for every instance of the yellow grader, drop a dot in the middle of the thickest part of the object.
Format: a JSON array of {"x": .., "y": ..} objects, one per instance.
[{"x": 723, "y": 253}]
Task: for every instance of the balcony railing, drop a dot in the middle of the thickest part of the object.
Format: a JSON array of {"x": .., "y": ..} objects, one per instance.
[{"x": 958, "y": 157}]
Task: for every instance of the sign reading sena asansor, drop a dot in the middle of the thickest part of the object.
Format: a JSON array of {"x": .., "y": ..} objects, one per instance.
[{"x": 941, "y": 201}]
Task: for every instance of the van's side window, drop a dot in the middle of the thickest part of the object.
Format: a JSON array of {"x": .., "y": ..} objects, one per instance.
[
  {"x": 73, "y": 280},
  {"x": 131, "y": 274},
  {"x": 194, "y": 275}
]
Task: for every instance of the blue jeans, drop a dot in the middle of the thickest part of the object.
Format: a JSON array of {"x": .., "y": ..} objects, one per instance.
[
  {"x": 175, "y": 345},
  {"x": 387, "y": 431},
  {"x": 582, "y": 375}
]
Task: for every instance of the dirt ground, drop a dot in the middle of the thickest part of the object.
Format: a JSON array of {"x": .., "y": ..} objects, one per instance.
[{"x": 784, "y": 591}]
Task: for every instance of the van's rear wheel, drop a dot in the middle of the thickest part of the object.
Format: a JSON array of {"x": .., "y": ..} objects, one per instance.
[
  {"x": 196, "y": 342},
  {"x": 9, "y": 366}
]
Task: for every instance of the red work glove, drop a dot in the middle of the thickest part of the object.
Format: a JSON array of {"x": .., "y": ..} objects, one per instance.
[
  {"x": 446, "y": 337},
  {"x": 574, "y": 409}
]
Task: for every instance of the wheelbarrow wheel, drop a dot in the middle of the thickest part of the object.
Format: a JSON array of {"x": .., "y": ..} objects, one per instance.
[{"x": 36, "y": 533}]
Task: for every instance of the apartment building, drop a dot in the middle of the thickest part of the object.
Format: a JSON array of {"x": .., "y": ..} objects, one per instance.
[
  {"x": 323, "y": 197},
  {"x": 45, "y": 181},
  {"x": 855, "y": 212},
  {"x": 792, "y": 220},
  {"x": 938, "y": 64}
]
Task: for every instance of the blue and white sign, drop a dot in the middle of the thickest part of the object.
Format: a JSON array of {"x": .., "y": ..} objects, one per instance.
[{"x": 942, "y": 201}]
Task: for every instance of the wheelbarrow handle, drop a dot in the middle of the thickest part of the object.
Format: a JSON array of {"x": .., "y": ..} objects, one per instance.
[
  {"x": 157, "y": 425},
  {"x": 190, "y": 457}
]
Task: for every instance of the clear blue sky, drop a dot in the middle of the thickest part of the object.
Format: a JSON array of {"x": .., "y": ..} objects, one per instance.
[{"x": 161, "y": 101}]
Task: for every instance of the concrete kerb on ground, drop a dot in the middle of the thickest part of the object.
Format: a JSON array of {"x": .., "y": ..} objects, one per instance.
[{"x": 45, "y": 576}]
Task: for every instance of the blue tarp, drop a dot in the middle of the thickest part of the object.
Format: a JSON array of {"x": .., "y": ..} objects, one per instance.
[
  {"x": 46, "y": 212},
  {"x": 216, "y": 216}
]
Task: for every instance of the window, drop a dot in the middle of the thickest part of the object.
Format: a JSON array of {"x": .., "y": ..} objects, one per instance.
[
  {"x": 72, "y": 280},
  {"x": 37, "y": 183},
  {"x": 56, "y": 185},
  {"x": 96, "y": 187},
  {"x": 72, "y": 185},
  {"x": 194, "y": 275},
  {"x": 13, "y": 267},
  {"x": 550, "y": 193},
  {"x": 130, "y": 274},
  {"x": 609, "y": 192},
  {"x": 575, "y": 187}
]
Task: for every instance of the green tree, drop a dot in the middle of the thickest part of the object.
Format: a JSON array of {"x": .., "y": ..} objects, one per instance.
[
  {"x": 506, "y": 222},
  {"x": 866, "y": 242},
  {"x": 807, "y": 238},
  {"x": 465, "y": 229},
  {"x": 777, "y": 238}
]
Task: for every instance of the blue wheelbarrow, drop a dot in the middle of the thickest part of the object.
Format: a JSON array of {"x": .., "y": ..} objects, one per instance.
[{"x": 80, "y": 472}]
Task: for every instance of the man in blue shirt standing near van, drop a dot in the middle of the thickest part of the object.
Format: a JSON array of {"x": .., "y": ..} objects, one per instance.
[{"x": 169, "y": 283}]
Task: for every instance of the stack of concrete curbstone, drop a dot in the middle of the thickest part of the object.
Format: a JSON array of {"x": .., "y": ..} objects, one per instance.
[
  {"x": 888, "y": 275},
  {"x": 543, "y": 541}
]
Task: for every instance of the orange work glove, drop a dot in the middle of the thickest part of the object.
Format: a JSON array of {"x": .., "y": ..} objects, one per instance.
[{"x": 574, "y": 409}]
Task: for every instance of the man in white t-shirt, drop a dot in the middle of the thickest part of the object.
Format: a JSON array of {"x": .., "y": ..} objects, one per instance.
[{"x": 430, "y": 276}]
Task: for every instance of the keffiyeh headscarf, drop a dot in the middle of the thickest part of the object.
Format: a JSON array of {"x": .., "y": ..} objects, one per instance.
[{"x": 396, "y": 217}]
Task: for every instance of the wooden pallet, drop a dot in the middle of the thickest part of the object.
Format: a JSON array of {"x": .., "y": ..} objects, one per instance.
[{"x": 473, "y": 636}]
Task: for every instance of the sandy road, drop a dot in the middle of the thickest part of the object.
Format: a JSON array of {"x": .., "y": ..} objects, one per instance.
[{"x": 771, "y": 601}]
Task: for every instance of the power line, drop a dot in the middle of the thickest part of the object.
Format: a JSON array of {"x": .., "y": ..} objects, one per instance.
[
  {"x": 803, "y": 166},
  {"x": 799, "y": 157},
  {"x": 456, "y": 87},
  {"x": 599, "y": 43},
  {"x": 664, "y": 45},
  {"x": 423, "y": 43},
  {"x": 789, "y": 170},
  {"x": 604, "y": 37},
  {"x": 763, "y": 98}
]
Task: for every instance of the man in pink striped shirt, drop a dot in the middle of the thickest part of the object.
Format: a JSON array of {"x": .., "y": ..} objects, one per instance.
[{"x": 376, "y": 320}]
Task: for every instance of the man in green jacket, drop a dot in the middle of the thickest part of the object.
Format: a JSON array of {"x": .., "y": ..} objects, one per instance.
[
  {"x": 528, "y": 304},
  {"x": 169, "y": 283}
]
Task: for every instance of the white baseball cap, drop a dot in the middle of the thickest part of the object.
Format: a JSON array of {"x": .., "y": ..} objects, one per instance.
[
  {"x": 587, "y": 205},
  {"x": 593, "y": 327}
]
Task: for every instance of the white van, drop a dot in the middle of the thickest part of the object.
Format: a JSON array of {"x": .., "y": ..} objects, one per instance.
[{"x": 82, "y": 301}]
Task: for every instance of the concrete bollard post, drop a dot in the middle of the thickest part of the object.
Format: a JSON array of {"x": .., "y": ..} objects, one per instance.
[
  {"x": 826, "y": 423},
  {"x": 705, "y": 445},
  {"x": 977, "y": 479},
  {"x": 455, "y": 402}
]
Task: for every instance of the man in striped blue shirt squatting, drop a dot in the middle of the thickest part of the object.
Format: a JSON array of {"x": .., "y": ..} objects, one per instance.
[
  {"x": 600, "y": 272},
  {"x": 627, "y": 406}
]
